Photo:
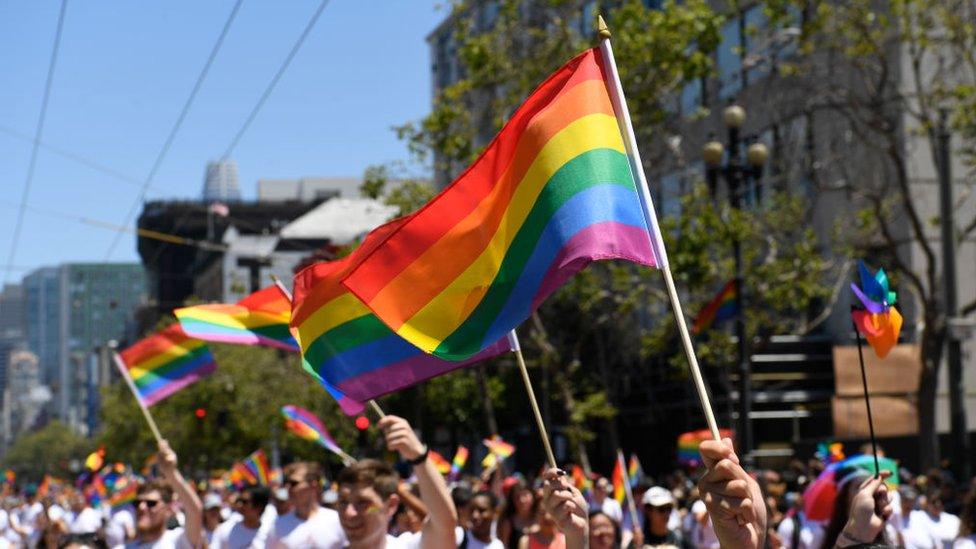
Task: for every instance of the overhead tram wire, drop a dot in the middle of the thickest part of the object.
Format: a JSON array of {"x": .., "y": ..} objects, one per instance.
[
  {"x": 274, "y": 80},
  {"x": 19, "y": 224},
  {"x": 176, "y": 126}
]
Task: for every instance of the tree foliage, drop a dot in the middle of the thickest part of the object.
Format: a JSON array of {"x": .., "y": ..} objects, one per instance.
[{"x": 53, "y": 450}]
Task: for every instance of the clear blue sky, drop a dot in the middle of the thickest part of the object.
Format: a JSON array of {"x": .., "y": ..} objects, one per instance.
[{"x": 125, "y": 69}]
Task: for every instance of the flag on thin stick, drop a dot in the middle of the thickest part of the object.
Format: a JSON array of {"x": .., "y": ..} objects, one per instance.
[
  {"x": 259, "y": 319},
  {"x": 164, "y": 363}
]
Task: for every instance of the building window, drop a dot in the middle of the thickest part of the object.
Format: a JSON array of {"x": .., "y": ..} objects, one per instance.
[
  {"x": 758, "y": 47},
  {"x": 729, "y": 61},
  {"x": 691, "y": 97}
]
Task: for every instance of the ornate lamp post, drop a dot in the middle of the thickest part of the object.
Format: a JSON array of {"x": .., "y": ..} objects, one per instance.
[{"x": 737, "y": 175}]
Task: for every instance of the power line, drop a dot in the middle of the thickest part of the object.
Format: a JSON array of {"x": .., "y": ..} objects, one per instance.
[
  {"x": 176, "y": 126},
  {"x": 274, "y": 80},
  {"x": 18, "y": 226},
  {"x": 75, "y": 157}
]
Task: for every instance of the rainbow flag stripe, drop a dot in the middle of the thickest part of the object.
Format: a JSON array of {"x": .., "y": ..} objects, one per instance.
[
  {"x": 553, "y": 192},
  {"x": 634, "y": 470},
  {"x": 257, "y": 465},
  {"x": 724, "y": 306},
  {"x": 350, "y": 351},
  {"x": 688, "y": 445},
  {"x": 164, "y": 363},
  {"x": 440, "y": 462},
  {"x": 497, "y": 446},
  {"x": 304, "y": 424},
  {"x": 124, "y": 494},
  {"x": 259, "y": 319},
  {"x": 459, "y": 461},
  {"x": 618, "y": 478}
]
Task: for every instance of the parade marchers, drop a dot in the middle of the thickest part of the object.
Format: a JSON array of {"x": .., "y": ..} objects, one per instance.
[{"x": 370, "y": 505}]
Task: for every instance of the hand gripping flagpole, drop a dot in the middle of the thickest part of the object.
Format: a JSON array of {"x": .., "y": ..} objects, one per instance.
[
  {"x": 124, "y": 370},
  {"x": 517, "y": 349},
  {"x": 287, "y": 293},
  {"x": 643, "y": 191}
]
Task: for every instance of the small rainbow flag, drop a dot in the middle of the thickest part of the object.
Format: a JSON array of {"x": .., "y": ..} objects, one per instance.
[
  {"x": 498, "y": 450},
  {"x": 618, "y": 478},
  {"x": 442, "y": 465},
  {"x": 164, "y": 363},
  {"x": 460, "y": 459},
  {"x": 96, "y": 459},
  {"x": 634, "y": 470},
  {"x": 304, "y": 424},
  {"x": 551, "y": 193},
  {"x": 580, "y": 481},
  {"x": 347, "y": 348},
  {"x": 688, "y": 445},
  {"x": 724, "y": 306},
  {"x": 259, "y": 319},
  {"x": 10, "y": 476},
  {"x": 125, "y": 492},
  {"x": 257, "y": 465},
  {"x": 44, "y": 487}
]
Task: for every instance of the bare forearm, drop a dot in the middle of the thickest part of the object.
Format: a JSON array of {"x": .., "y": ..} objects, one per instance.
[
  {"x": 192, "y": 506},
  {"x": 441, "y": 514}
]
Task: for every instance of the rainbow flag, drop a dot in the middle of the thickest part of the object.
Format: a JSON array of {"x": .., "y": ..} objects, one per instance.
[
  {"x": 304, "y": 424},
  {"x": 10, "y": 476},
  {"x": 634, "y": 470},
  {"x": 498, "y": 447},
  {"x": 125, "y": 492},
  {"x": 164, "y": 363},
  {"x": 44, "y": 487},
  {"x": 350, "y": 351},
  {"x": 617, "y": 479},
  {"x": 724, "y": 306},
  {"x": 259, "y": 319},
  {"x": 581, "y": 482},
  {"x": 460, "y": 459},
  {"x": 96, "y": 459},
  {"x": 441, "y": 463},
  {"x": 688, "y": 445},
  {"x": 553, "y": 192},
  {"x": 241, "y": 475},
  {"x": 257, "y": 465}
]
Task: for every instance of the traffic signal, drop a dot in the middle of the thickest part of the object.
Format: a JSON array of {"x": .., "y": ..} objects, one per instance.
[
  {"x": 201, "y": 413},
  {"x": 362, "y": 423}
]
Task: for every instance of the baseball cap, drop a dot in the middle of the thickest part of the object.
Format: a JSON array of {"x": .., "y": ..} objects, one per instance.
[
  {"x": 657, "y": 497},
  {"x": 212, "y": 500}
]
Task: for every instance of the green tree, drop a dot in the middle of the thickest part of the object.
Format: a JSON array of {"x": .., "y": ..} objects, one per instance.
[{"x": 55, "y": 450}]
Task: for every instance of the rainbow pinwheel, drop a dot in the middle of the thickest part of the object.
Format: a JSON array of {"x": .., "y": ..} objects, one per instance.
[{"x": 879, "y": 320}]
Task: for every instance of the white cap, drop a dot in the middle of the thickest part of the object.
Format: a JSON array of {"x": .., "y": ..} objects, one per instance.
[
  {"x": 212, "y": 500},
  {"x": 657, "y": 497},
  {"x": 281, "y": 494}
]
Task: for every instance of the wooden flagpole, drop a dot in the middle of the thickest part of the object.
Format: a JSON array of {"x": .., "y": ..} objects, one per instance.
[
  {"x": 124, "y": 370},
  {"x": 627, "y": 489},
  {"x": 643, "y": 191},
  {"x": 287, "y": 293},
  {"x": 517, "y": 349}
]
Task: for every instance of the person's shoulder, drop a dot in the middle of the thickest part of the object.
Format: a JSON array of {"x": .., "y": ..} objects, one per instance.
[
  {"x": 406, "y": 540},
  {"x": 326, "y": 515}
]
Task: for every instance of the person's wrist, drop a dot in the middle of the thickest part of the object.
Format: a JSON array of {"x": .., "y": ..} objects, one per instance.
[
  {"x": 420, "y": 456},
  {"x": 852, "y": 535}
]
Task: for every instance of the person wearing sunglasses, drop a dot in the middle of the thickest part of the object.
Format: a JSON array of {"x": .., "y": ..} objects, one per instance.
[
  {"x": 308, "y": 525},
  {"x": 368, "y": 496},
  {"x": 154, "y": 509},
  {"x": 658, "y": 504},
  {"x": 249, "y": 531}
]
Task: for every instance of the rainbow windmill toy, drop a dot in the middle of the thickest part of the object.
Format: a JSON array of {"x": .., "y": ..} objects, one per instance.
[{"x": 879, "y": 321}]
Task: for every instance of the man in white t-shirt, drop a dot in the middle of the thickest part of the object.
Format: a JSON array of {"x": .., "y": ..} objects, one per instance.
[
  {"x": 308, "y": 525},
  {"x": 154, "y": 507},
  {"x": 944, "y": 526},
  {"x": 121, "y": 526},
  {"x": 608, "y": 505},
  {"x": 368, "y": 496},
  {"x": 82, "y": 519},
  {"x": 249, "y": 532}
]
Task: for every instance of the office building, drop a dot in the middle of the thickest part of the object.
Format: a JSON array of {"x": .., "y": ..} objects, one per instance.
[{"x": 220, "y": 182}]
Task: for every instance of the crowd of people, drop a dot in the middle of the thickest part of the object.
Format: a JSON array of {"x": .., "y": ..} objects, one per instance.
[{"x": 370, "y": 504}]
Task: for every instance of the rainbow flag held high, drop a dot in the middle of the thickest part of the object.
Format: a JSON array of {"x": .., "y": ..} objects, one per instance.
[
  {"x": 497, "y": 447},
  {"x": 617, "y": 479},
  {"x": 440, "y": 462},
  {"x": 581, "y": 482},
  {"x": 688, "y": 445},
  {"x": 125, "y": 493},
  {"x": 724, "y": 306},
  {"x": 553, "y": 192},
  {"x": 347, "y": 348},
  {"x": 460, "y": 459},
  {"x": 164, "y": 363},
  {"x": 259, "y": 319},
  {"x": 634, "y": 470},
  {"x": 240, "y": 475},
  {"x": 304, "y": 424},
  {"x": 257, "y": 465}
]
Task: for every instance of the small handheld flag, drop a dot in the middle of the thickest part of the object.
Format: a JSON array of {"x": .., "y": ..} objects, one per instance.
[
  {"x": 257, "y": 465},
  {"x": 618, "y": 479},
  {"x": 259, "y": 319},
  {"x": 634, "y": 471},
  {"x": 440, "y": 463},
  {"x": 309, "y": 427},
  {"x": 724, "y": 306},
  {"x": 164, "y": 363},
  {"x": 96, "y": 459},
  {"x": 460, "y": 459}
]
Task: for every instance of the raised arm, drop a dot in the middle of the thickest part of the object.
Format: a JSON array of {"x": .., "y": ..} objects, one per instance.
[
  {"x": 438, "y": 531},
  {"x": 566, "y": 504},
  {"x": 732, "y": 497},
  {"x": 192, "y": 506}
]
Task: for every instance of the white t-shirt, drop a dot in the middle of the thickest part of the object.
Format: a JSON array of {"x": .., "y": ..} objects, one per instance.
[
  {"x": 811, "y": 533},
  {"x": 122, "y": 519},
  {"x": 945, "y": 527},
  {"x": 407, "y": 540},
  {"x": 612, "y": 509},
  {"x": 475, "y": 543},
  {"x": 321, "y": 531},
  {"x": 702, "y": 535},
  {"x": 85, "y": 521},
  {"x": 968, "y": 542},
  {"x": 171, "y": 539},
  {"x": 235, "y": 535},
  {"x": 915, "y": 531}
]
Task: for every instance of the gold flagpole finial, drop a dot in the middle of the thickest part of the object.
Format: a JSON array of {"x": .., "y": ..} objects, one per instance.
[{"x": 602, "y": 29}]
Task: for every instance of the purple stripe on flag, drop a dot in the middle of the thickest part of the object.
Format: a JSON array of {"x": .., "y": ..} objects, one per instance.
[{"x": 178, "y": 384}]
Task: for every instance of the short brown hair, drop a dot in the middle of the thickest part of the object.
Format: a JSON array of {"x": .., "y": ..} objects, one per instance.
[
  {"x": 310, "y": 471},
  {"x": 156, "y": 485},
  {"x": 371, "y": 472}
]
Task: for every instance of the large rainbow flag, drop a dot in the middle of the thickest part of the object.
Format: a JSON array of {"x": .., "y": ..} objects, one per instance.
[
  {"x": 164, "y": 363},
  {"x": 724, "y": 306},
  {"x": 259, "y": 319},
  {"x": 350, "y": 351},
  {"x": 306, "y": 425},
  {"x": 553, "y": 192}
]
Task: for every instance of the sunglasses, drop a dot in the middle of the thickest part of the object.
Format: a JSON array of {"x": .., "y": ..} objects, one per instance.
[
  {"x": 292, "y": 482},
  {"x": 660, "y": 508},
  {"x": 149, "y": 503}
]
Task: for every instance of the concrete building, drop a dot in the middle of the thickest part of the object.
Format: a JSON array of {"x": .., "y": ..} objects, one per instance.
[
  {"x": 13, "y": 324},
  {"x": 71, "y": 310},
  {"x": 220, "y": 182},
  {"x": 24, "y": 395},
  {"x": 314, "y": 189}
]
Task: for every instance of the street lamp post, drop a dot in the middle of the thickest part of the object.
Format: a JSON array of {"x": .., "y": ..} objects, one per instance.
[{"x": 737, "y": 174}]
